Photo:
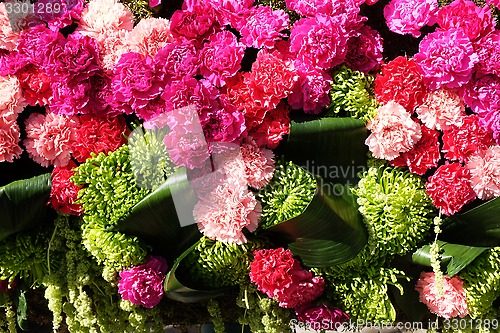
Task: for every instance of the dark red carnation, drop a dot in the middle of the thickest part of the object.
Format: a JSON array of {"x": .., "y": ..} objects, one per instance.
[{"x": 64, "y": 192}]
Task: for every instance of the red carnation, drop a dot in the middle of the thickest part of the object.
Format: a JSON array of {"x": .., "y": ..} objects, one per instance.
[
  {"x": 275, "y": 125},
  {"x": 98, "y": 134},
  {"x": 401, "y": 82},
  {"x": 450, "y": 189},
  {"x": 423, "y": 156},
  {"x": 64, "y": 192},
  {"x": 459, "y": 142}
]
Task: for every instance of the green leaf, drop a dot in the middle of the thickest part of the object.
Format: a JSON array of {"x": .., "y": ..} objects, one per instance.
[
  {"x": 174, "y": 289},
  {"x": 332, "y": 148},
  {"x": 479, "y": 226},
  {"x": 23, "y": 204},
  {"x": 329, "y": 231},
  {"x": 155, "y": 218},
  {"x": 455, "y": 256}
]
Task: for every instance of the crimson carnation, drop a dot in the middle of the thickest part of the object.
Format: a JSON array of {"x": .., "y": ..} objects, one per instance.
[
  {"x": 311, "y": 313},
  {"x": 35, "y": 84},
  {"x": 450, "y": 189},
  {"x": 459, "y": 142},
  {"x": 194, "y": 22},
  {"x": 423, "y": 156},
  {"x": 364, "y": 52},
  {"x": 401, "y": 81},
  {"x": 64, "y": 192},
  {"x": 98, "y": 134},
  {"x": 275, "y": 125}
]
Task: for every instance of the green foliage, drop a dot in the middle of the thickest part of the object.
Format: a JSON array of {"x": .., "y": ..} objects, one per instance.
[
  {"x": 280, "y": 4},
  {"x": 287, "y": 195},
  {"x": 216, "y": 316},
  {"x": 140, "y": 9},
  {"x": 352, "y": 94}
]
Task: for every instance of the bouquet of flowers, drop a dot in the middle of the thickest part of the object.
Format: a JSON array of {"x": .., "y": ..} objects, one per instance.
[{"x": 271, "y": 163}]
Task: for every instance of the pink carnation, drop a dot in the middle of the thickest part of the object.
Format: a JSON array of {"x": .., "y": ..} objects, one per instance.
[
  {"x": 64, "y": 18},
  {"x": 321, "y": 314},
  {"x": 221, "y": 57},
  {"x": 459, "y": 142},
  {"x": 178, "y": 59},
  {"x": 263, "y": 26},
  {"x": 9, "y": 141},
  {"x": 149, "y": 36},
  {"x": 310, "y": 8},
  {"x": 143, "y": 284},
  {"x": 225, "y": 124},
  {"x": 194, "y": 22},
  {"x": 441, "y": 109},
  {"x": 8, "y": 37},
  {"x": 259, "y": 163},
  {"x": 495, "y": 3},
  {"x": 465, "y": 15},
  {"x": 446, "y": 58},
  {"x": 11, "y": 98},
  {"x": 489, "y": 53},
  {"x": 100, "y": 17},
  {"x": 64, "y": 192},
  {"x": 393, "y": 131},
  {"x": 230, "y": 12},
  {"x": 301, "y": 292},
  {"x": 450, "y": 189},
  {"x": 484, "y": 167},
  {"x": 483, "y": 94},
  {"x": 35, "y": 84},
  {"x": 310, "y": 91},
  {"x": 275, "y": 125},
  {"x": 319, "y": 41},
  {"x": 409, "y": 16},
  {"x": 364, "y": 52},
  {"x": 490, "y": 120},
  {"x": 49, "y": 138},
  {"x": 452, "y": 303}
]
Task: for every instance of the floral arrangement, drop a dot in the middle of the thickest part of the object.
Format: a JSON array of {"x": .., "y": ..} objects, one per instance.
[{"x": 270, "y": 163}]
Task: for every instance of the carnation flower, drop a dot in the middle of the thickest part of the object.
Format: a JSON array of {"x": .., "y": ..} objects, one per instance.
[
  {"x": 9, "y": 141},
  {"x": 37, "y": 44},
  {"x": 143, "y": 284},
  {"x": 8, "y": 37},
  {"x": 311, "y": 313},
  {"x": 35, "y": 84},
  {"x": 489, "y": 53},
  {"x": 178, "y": 59},
  {"x": 446, "y": 58},
  {"x": 49, "y": 138},
  {"x": 319, "y": 41},
  {"x": 423, "y": 156},
  {"x": 11, "y": 98},
  {"x": 484, "y": 167},
  {"x": 64, "y": 192},
  {"x": 495, "y": 3},
  {"x": 450, "y": 189},
  {"x": 483, "y": 94},
  {"x": 465, "y": 15},
  {"x": 490, "y": 120},
  {"x": 99, "y": 17},
  {"x": 459, "y": 142},
  {"x": 221, "y": 57},
  {"x": 149, "y": 36},
  {"x": 194, "y": 22},
  {"x": 409, "y": 16},
  {"x": 310, "y": 91},
  {"x": 271, "y": 79},
  {"x": 393, "y": 131},
  {"x": 301, "y": 292},
  {"x": 310, "y": 8},
  {"x": 441, "y": 109},
  {"x": 452, "y": 303},
  {"x": 275, "y": 125},
  {"x": 225, "y": 124},
  {"x": 401, "y": 82},
  {"x": 98, "y": 134},
  {"x": 64, "y": 18},
  {"x": 364, "y": 52},
  {"x": 259, "y": 163},
  {"x": 263, "y": 26}
]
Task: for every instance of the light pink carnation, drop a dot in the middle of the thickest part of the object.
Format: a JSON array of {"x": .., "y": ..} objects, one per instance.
[
  {"x": 441, "y": 109},
  {"x": 100, "y": 17},
  {"x": 489, "y": 53},
  {"x": 452, "y": 303},
  {"x": 49, "y": 138},
  {"x": 259, "y": 163},
  {"x": 263, "y": 26},
  {"x": 111, "y": 47},
  {"x": 149, "y": 36},
  {"x": 484, "y": 167},
  {"x": 393, "y": 132},
  {"x": 11, "y": 98},
  {"x": 9, "y": 141},
  {"x": 446, "y": 58},
  {"x": 8, "y": 37},
  {"x": 409, "y": 16}
]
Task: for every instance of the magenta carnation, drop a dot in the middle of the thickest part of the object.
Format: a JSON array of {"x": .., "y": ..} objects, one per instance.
[
  {"x": 489, "y": 53},
  {"x": 263, "y": 26},
  {"x": 259, "y": 163},
  {"x": 450, "y": 189},
  {"x": 321, "y": 314},
  {"x": 441, "y": 109},
  {"x": 452, "y": 303},
  {"x": 143, "y": 284},
  {"x": 393, "y": 131},
  {"x": 189, "y": 91},
  {"x": 490, "y": 120},
  {"x": 178, "y": 59},
  {"x": 225, "y": 124},
  {"x": 409, "y": 16},
  {"x": 483, "y": 94},
  {"x": 310, "y": 91},
  {"x": 446, "y": 58},
  {"x": 484, "y": 167},
  {"x": 364, "y": 52}
]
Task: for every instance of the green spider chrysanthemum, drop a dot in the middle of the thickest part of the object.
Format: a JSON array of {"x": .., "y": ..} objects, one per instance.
[
  {"x": 352, "y": 94},
  {"x": 396, "y": 209},
  {"x": 287, "y": 195}
]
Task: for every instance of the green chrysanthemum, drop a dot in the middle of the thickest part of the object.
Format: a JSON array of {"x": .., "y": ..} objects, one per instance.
[
  {"x": 287, "y": 195},
  {"x": 217, "y": 264},
  {"x": 149, "y": 158},
  {"x": 396, "y": 209},
  {"x": 352, "y": 94},
  {"x": 140, "y": 9}
]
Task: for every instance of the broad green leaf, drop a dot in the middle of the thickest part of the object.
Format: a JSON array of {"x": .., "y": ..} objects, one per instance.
[
  {"x": 155, "y": 219},
  {"x": 23, "y": 204},
  {"x": 330, "y": 230},
  {"x": 332, "y": 148},
  {"x": 456, "y": 257},
  {"x": 479, "y": 226},
  {"x": 174, "y": 289}
]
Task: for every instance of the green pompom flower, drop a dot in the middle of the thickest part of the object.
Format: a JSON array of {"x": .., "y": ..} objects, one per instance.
[
  {"x": 287, "y": 195},
  {"x": 396, "y": 209},
  {"x": 352, "y": 94}
]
